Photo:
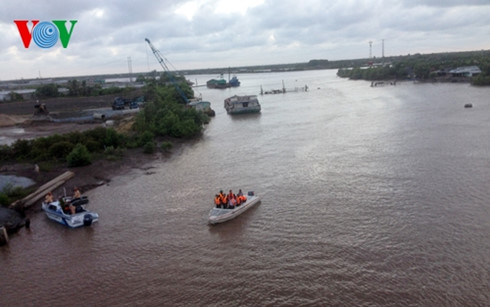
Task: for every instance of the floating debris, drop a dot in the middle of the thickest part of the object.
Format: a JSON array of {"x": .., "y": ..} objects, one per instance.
[{"x": 283, "y": 90}]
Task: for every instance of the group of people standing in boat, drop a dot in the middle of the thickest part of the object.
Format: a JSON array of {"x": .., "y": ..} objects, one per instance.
[{"x": 230, "y": 200}]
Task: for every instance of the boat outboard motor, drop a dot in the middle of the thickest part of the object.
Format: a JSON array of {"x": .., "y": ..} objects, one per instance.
[{"x": 87, "y": 220}]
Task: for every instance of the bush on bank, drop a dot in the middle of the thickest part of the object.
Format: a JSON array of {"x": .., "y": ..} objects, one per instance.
[
  {"x": 79, "y": 156},
  {"x": 57, "y": 147},
  {"x": 9, "y": 194},
  {"x": 419, "y": 67},
  {"x": 166, "y": 114}
]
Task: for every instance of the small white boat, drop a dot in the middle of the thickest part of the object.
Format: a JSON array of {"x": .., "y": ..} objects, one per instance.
[
  {"x": 82, "y": 216},
  {"x": 242, "y": 104},
  {"x": 219, "y": 215}
]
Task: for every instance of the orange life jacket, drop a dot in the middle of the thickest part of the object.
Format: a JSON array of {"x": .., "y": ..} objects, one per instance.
[
  {"x": 217, "y": 200},
  {"x": 223, "y": 198}
]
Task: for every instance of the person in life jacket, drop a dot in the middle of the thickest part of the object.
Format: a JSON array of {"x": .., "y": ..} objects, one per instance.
[
  {"x": 224, "y": 199},
  {"x": 240, "y": 199},
  {"x": 217, "y": 201}
]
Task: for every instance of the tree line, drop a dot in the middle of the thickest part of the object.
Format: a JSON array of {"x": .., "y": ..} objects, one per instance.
[{"x": 421, "y": 67}]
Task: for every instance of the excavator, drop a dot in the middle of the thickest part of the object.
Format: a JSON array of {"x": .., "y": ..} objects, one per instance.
[{"x": 41, "y": 109}]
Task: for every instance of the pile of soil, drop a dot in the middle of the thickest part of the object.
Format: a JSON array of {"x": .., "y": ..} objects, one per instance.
[{"x": 12, "y": 120}]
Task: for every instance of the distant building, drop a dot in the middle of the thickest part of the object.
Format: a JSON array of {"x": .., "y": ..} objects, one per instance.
[
  {"x": 465, "y": 71},
  {"x": 25, "y": 93}
]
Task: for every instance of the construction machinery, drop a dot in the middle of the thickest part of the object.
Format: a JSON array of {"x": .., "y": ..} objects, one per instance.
[{"x": 197, "y": 104}]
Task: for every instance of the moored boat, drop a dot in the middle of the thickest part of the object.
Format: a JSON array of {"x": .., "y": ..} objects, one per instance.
[
  {"x": 202, "y": 106},
  {"x": 220, "y": 215},
  {"x": 82, "y": 217},
  {"x": 217, "y": 83},
  {"x": 242, "y": 104},
  {"x": 234, "y": 82},
  {"x": 221, "y": 82}
]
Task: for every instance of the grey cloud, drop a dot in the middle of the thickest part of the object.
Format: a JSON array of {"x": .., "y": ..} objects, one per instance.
[
  {"x": 444, "y": 3},
  {"x": 309, "y": 28}
]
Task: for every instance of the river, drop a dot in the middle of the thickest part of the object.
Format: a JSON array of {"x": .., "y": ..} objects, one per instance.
[{"x": 370, "y": 197}]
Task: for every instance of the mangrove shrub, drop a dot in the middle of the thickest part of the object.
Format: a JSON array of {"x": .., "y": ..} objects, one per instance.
[{"x": 79, "y": 156}]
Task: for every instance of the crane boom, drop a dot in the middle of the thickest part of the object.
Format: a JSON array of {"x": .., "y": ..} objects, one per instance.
[{"x": 160, "y": 60}]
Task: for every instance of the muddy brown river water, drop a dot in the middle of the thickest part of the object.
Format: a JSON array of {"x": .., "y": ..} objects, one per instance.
[{"x": 370, "y": 197}]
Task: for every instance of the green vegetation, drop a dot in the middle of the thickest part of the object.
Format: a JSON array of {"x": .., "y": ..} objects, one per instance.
[
  {"x": 58, "y": 147},
  {"x": 420, "y": 67},
  {"x": 166, "y": 146},
  {"x": 112, "y": 153},
  {"x": 47, "y": 91},
  {"x": 79, "y": 156},
  {"x": 16, "y": 96},
  {"x": 9, "y": 194},
  {"x": 372, "y": 73},
  {"x": 484, "y": 77},
  {"x": 166, "y": 115}
]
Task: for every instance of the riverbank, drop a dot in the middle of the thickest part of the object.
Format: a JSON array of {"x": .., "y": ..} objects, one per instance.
[
  {"x": 105, "y": 149},
  {"x": 100, "y": 172},
  {"x": 86, "y": 178}
]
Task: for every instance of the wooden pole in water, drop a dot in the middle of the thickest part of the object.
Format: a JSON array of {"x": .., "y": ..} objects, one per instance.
[
  {"x": 31, "y": 199},
  {"x": 4, "y": 238}
]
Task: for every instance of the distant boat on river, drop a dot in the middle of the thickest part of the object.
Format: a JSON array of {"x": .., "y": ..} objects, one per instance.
[
  {"x": 221, "y": 82},
  {"x": 242, "y": 104},
  {"x": 217, "y": 83}
]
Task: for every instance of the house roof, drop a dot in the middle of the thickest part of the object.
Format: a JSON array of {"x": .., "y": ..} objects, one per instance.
[{"x": 466, "y": 69}]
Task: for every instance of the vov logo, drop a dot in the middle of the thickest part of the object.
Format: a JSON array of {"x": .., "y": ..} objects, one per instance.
[{"x": 45, "y": 34}]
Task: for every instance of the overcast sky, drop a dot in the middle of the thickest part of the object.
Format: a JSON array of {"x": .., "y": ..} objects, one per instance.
[{"x": 223, "y": 33}]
